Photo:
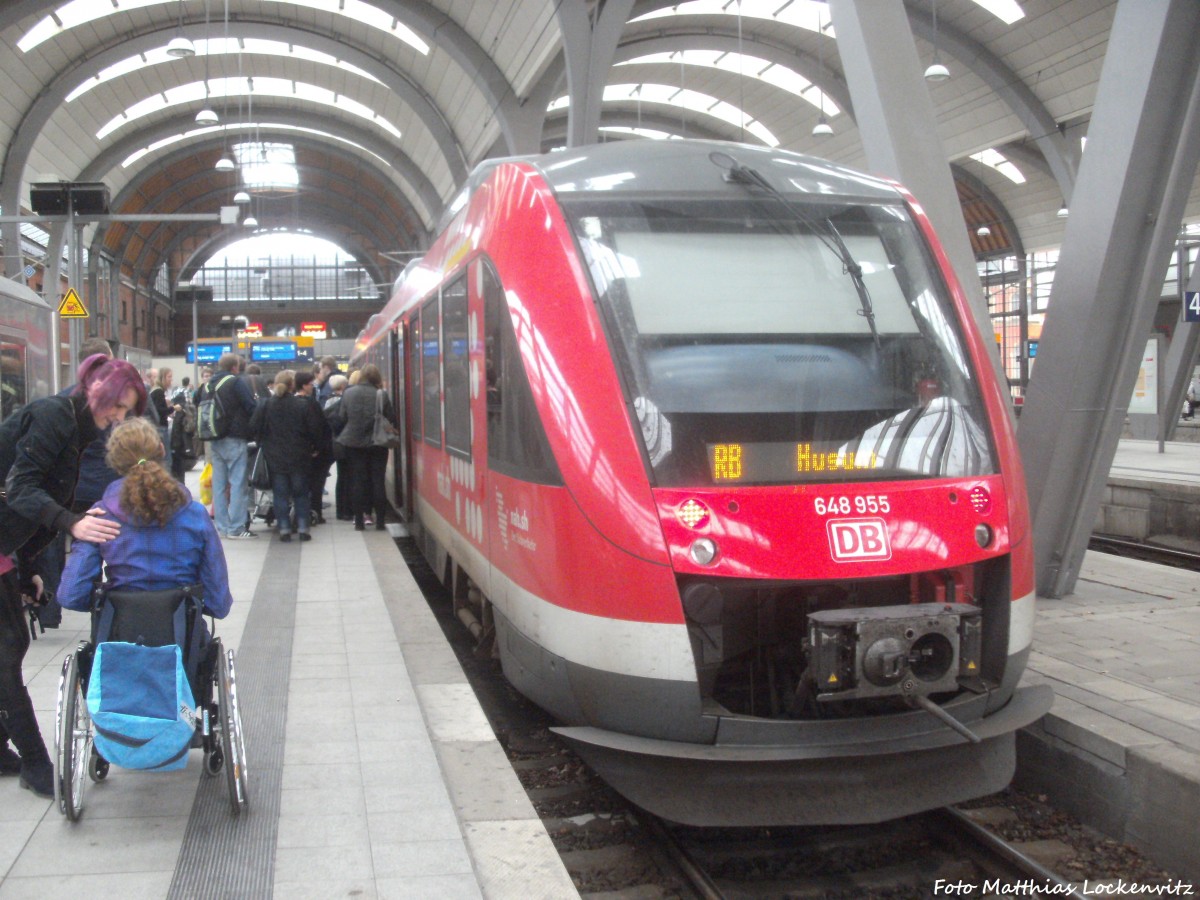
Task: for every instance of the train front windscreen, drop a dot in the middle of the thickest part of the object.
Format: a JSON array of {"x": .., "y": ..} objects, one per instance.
[{"x": 773, "y": 341}]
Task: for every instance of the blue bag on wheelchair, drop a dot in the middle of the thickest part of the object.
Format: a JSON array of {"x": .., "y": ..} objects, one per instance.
[{"x": 141, "y": 706}]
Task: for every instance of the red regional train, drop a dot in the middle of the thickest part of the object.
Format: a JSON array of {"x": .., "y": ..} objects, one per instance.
[{"x": 704, "y": 441}]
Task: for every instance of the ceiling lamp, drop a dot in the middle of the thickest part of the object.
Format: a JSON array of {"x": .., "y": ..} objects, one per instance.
[
  {"x": 983, "y": 231},
  {"x": 241, "y": 197},
  {"x": 822, "y": 128},
  {"x": 936, "y": 71},
  {"x": 1062, "y": 211},
  {"x": 225, "y": 164},
  {"x": 207, "y": 116},
  {"x": 179, "y": 46},
  {"x": 250, "y": 222}
]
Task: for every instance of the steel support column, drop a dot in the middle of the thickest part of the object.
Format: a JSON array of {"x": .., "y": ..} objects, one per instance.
[
  {"x": 1133, "y": 183},
  {"x": 899, "y": 130}
]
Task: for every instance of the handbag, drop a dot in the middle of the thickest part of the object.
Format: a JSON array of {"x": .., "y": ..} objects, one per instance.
[
  {"x": 260, "y": 475},
  {"x": 384, "y": 433}
]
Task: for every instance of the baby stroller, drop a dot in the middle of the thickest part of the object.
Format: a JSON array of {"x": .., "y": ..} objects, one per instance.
[{"x": 144, "y": 690}]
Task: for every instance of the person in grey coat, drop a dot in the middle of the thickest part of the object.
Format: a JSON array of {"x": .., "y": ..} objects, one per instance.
[{"x": 366, "y": 464}]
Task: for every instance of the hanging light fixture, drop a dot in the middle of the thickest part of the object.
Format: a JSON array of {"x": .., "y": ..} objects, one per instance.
[
  {"x": 179, "y": 46},
  {"x": 250, "y": 222},
  {"x": 208, "y": 115},
  {"x": 1062, "y": 211},
  {"x": 241, "y": 198},
  {"x": 224, "y": 164},
  {"x": 983, "y": 231},
  {"x": 936, "y": 71},
  {"x": 822, "y": 128}
]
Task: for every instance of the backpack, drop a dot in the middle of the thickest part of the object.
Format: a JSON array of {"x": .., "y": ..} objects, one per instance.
[{"x": 212, "y": 422}]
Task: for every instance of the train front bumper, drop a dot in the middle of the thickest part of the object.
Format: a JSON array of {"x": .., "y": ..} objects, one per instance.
[{"x": 847, "y": 771}]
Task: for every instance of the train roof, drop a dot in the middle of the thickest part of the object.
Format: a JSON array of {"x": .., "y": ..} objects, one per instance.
[
  {"x": 17, "y": 291},
  {"x": 688, "y": 166}
]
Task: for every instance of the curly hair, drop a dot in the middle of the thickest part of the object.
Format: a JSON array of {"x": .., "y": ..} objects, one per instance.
[{"x": 148, "y": 494}]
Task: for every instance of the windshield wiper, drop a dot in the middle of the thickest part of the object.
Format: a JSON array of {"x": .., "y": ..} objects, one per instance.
[{"x": 736, "y": 173}]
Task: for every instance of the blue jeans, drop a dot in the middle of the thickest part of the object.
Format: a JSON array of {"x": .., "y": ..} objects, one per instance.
[
  {"x": 291, "y": 488},
  {"x": 228, "y": 458}
]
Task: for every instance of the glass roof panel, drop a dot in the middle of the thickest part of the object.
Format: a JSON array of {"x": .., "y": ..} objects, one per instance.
[
  {"x": 79, "y": 12},
  {"x": 693, "y": 101},
  {"x": 215, "y": 47},
  {"x": 1000, "y": 163},
  {"x": 243, "y": 86},
  {"x": 810, "y": 14},
  {"x": 249, "y": 127},
  {"x": 751, "y": 67}
]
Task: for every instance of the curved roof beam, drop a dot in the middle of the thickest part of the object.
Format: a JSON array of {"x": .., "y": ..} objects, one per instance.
[
  {"x": 1043, "y": 130},
  {"x": 113, "y": 155},
  {"x": 350, "y": 220},
  {"x": 555, "y": 132},
  {"x": 214, "y": 243},
  {"x": 727, "y": 41},
  {"x": 51, "y": 99},
  {"x": 154, "y": 251},
  {"x": 215, "y": 141},
  {"x": 986, "y": 194}
]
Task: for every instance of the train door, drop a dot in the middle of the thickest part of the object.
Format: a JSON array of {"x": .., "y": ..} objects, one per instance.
[{"x": 404, "y": 359}]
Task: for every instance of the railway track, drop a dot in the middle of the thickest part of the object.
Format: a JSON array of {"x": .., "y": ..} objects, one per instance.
[{"x": 1167, "y": 556}]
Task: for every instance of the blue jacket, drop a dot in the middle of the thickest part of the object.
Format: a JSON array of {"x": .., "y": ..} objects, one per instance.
[{"x": 150, "y": 558}]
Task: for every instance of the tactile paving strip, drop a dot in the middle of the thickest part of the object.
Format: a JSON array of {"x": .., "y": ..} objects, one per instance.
[{"x": 234, "y": 856}]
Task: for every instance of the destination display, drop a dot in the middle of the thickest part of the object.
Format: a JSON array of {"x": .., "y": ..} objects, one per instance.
[
  {"x": 780, "y": 461},
  {"x": 209, "y": 353},
  {"x": 273, "y": 351}
]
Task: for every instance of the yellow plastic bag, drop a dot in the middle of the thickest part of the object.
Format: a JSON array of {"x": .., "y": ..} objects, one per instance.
[{"x": 206, "y": 484}]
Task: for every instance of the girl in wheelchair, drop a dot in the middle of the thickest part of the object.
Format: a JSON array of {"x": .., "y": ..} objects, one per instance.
[{"x": 167, "y": 539}]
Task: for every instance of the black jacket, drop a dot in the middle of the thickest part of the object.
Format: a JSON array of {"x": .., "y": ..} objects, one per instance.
[
  {"x": 238, "y": 403},
  {"x": 39, "y": 462},
  {"x": 357, "y": 410},
  {"x": 290, "y": 431}
]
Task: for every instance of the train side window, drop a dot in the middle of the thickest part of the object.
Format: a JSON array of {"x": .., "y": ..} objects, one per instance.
[
  {"x": 517, "y": 444},
  {"x": 455, "y": 363},
  {"x": 431, "y": 372},
  {"x": 13, "y": 385},
  {"x": 414, "y": 367}
]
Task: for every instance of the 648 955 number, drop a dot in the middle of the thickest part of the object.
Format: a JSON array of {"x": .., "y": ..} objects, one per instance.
[{"x": 845, "y": 505}]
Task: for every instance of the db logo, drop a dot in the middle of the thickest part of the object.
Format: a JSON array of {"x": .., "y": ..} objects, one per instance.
[{"x": 855, "y": 540}]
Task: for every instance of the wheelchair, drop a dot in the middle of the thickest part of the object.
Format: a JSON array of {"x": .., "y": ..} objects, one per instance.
[{"x": 150, "y": 619}]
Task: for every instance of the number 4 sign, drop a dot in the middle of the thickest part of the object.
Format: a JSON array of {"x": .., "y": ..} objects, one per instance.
[{"x": 1191, "y": 306}]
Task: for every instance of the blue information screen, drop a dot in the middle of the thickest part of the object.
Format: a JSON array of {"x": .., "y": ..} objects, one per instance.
[
  {"x": 209, "y": 353},
  {"x": 273, "y": 351}
]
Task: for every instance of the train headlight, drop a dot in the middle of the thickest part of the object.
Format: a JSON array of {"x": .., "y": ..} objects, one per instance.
[
  {"x": 703, "y": 551},
  {"x": 983, "y": 535}
]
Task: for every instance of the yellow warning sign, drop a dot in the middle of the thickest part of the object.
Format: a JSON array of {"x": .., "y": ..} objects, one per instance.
[{"x": 72, "y": 307}]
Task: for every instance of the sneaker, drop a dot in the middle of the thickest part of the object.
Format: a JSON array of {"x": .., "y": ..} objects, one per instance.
[
  {"x": 241, "y": 535},
  {"x": 285, "y": 536},
  {"x": 39, "y": 778},
  {"x": 304, "y": 536}
]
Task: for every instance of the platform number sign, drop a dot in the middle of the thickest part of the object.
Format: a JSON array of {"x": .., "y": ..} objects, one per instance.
[{"x": 1191, "y": 306}]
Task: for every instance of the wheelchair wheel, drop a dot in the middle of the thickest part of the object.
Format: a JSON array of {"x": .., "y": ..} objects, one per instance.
[
  {"x": 97, "y": 767},
  {"x": 72, "y": 740},
  {"x": 229, "y": 722}
]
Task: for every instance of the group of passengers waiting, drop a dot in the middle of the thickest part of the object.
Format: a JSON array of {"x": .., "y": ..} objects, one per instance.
[{"x": 93, "y": 463}]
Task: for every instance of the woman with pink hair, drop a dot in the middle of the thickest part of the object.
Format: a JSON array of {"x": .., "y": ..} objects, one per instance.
[{"x": 40, "y": 445}]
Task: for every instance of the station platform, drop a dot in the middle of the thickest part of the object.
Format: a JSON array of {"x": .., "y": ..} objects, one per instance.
[
  {"x": 373, "y": 770},
  {"x": 1153, "y": 497}
]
